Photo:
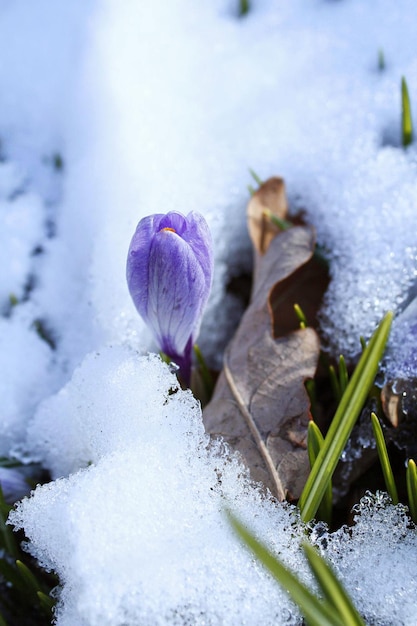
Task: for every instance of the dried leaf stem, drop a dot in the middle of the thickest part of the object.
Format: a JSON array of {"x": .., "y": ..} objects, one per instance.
[{"x": 280, "y": 492}]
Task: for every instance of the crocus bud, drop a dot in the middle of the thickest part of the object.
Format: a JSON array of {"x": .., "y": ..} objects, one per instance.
[{"x": 169, "y": 274}]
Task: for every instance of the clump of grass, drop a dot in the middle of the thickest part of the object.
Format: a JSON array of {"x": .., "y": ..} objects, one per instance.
[
  {"x": 335, "y": 607},
  {"x": 349, "y": 408},
  {"x": 411, "y": 472}
]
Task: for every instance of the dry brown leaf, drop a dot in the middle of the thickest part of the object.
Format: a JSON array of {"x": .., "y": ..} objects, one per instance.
[
  {"x": 260, "y": 405},
  {"x": 270, "y": 196},
  {"x": 305, "y": 287},
  {"x": 391, "y": 404}
]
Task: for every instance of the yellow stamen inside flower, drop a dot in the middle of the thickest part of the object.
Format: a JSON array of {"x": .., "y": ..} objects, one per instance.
[{"x": 168, "y": 228}]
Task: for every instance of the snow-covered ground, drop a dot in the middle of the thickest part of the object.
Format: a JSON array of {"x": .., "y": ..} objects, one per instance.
[{"x": 110, "y": 111}]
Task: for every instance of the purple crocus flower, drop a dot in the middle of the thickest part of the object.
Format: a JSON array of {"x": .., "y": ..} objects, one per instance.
[{"x": 169, "y": 274}]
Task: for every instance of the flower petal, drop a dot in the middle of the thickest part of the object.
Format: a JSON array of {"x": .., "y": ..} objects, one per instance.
[
  {"x": 137, "y": 267},
  {"x": 169, "y": 274},
  {"x": 177, "y": 291}
]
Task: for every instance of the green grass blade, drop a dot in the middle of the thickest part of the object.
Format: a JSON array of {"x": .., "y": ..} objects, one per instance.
[
  {"x": 7, "y": 538},
  {"x": 12, "y": 577},
  {"x": 314, "y": 441},
  {"x": 206, "y": 376},
  {"x": 334, "y": 382},
  {"x": 407, "y": 122},
  {"x": 381, "y": 60},
  {"x": 332, "y": 589},
  {"x": 314, "y": 444},
  {"x": 280, "y": 223},
  {"x": 244, "y": 7},
  {"x": 300, "y": 316},
  {"x": 384, "y": 459},
  {"x": 2, "y": 621},
  {"x": 6, "y": 461},
  {"x": 46, "y": 602},
  {"x": 258, "y": 180},
  {"x": 316, "y": 612},
  {"x": 343, "y": 374},
  {"x": 310, "y": 386},
  {"x": 29, "y": 578},
  {"x": 344, "y": 420},
  {"x": 412, "y": 489}
]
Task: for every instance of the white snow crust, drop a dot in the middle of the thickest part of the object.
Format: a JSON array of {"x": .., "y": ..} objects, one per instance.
[
  {"x": 110, "y": 111},
  {"x": 373, "y": 559},
  {"x": 140, "y": 535}
]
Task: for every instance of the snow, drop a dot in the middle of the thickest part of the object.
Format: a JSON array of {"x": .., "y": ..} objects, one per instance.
[
  {"x": 373, "y": 558},
  {"x": 151, "y": 546},
  {"x": 139, "y": 535},
  {"x": 152, "y": 107},
  {"x": 26, "y": 364}
]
